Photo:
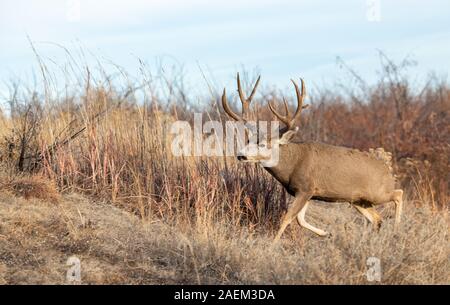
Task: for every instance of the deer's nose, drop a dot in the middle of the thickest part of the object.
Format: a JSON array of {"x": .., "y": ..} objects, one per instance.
[{"x": 241, "y": 158}]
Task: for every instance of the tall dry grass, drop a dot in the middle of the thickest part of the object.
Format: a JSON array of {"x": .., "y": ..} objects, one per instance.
[
  {"x": 108, "y": 137},
  {"x": 113, "y": 142}
]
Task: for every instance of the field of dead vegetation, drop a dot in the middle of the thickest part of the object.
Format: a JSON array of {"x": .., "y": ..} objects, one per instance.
[
  {"x": 88, "y": 171},
  {"x": 115, "y": 247}
]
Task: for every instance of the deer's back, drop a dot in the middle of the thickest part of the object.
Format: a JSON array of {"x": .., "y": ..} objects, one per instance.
[{"x": 338, "y": 173}]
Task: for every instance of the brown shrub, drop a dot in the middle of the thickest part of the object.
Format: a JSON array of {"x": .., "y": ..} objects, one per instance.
[
  {"x": 30, "y": 187},
  {"x": 125, "y": 156}
]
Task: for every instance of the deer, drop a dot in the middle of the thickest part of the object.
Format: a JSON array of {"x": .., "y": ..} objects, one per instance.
[{"x": 318, "y": 171}]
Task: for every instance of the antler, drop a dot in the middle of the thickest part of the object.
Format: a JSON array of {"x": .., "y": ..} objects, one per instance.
[
  {"x": 245, "y": 101},
  {"x": 288, "y": 120}
]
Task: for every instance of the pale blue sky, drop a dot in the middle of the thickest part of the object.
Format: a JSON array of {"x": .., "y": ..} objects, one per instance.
[{"x": 282, "y": 39}]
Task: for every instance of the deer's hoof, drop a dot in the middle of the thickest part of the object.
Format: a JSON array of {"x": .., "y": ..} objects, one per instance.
[{"x": 324, "y": 234}]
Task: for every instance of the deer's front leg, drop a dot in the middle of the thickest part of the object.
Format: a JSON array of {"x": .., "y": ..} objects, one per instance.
[
  {"x": 293, "y": 210},
  {"x": 302, "y": 222}
]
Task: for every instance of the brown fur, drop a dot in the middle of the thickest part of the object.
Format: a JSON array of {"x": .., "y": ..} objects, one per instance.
[{"x": 333, "y": 173}]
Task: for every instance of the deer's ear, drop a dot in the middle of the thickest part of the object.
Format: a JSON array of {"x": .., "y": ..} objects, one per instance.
[{"x": 287, "y": 136}]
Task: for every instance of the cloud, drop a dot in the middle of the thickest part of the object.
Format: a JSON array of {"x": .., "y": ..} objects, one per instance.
[{"x": 283, "y": 38}]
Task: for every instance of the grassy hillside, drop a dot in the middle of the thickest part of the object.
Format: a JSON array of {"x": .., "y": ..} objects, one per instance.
[{"x": 37, "y": 237}]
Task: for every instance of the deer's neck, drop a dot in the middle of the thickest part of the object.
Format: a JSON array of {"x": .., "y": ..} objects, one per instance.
[{"x": 283, "y": 170}]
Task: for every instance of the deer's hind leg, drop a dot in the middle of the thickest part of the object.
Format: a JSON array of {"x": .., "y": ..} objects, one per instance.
[
  {"x": 371, "y": 214},
  {"x": 397, "y": 197}
]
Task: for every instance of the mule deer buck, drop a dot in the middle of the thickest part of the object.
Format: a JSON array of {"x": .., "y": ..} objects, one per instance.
[{"x": 317, "y": 171}]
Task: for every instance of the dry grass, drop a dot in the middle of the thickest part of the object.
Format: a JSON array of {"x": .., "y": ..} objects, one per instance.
[
  {"x": 31, "y": 186},
  {"x": 37, "y": 238},
  {"x": 203, "y": 219}
]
